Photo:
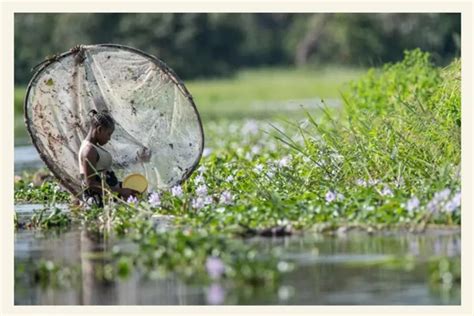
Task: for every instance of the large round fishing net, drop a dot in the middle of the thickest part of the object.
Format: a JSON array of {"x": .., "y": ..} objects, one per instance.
[{"x": 153, "y": 113}]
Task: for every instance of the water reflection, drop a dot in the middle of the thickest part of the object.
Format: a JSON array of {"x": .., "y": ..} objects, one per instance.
[
  {"x": 390, "y": 268},
  {"x": 100, "y": 285},
  {"x": 215, "y": 294},
  {"x": 97, "y": 287}
]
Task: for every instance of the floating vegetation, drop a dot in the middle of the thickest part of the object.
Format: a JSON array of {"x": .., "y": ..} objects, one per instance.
[
  {"x": 55, "y": 219},
  {"x": 30, "y": 188}
]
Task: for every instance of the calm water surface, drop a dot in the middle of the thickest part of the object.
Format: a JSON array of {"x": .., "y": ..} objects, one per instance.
[{"x": 327, "y": 270}]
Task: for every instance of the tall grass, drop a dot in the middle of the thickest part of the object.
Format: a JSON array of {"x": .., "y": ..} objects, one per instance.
[
  {"x": 400, "y": 127},
  {"x": 403, "y": 121}
]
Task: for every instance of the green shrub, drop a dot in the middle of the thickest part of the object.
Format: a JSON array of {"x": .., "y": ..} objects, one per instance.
[{"x": 407, "y": 116}]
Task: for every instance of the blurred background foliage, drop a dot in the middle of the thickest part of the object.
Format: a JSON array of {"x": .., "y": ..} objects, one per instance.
[{"x": 203, "y": 45}]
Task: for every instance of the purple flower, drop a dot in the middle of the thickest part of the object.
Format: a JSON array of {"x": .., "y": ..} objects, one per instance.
[
  {"x": 215, "y": 267},
  {"x": 284, "y": 162},
  {"x": 132, "y": 200},
  {"x": 258, "y": 168},
  {"x": 440, "y": 201},
  {"x": 330, "y": 196},
  {"x": 432, "y": 206},
  {"x": 226, "y": 198},
  {"x": 197, "y": 203},
  {"x": 177, "y": 191},
  {"x": 229, "y": 179},
  {"x": 215, "y": 294},
  {"x": 255, "y": 150},
  {"x": 271, "y": 173},
  {"x": 361, "y": 183},
  {"x": 457, "y": 199},
  {"x": 441, "y": 196},
  {"x": 454, "y": 203},
  {"x": 450, "y": 207},
  {"x": 154, "y": 199},
  {"x": 386, "y": 191},
  {"x": 208, "y": 200},
  {"x": 412, "y": 204},
  {"x": 201, "y": 190}
]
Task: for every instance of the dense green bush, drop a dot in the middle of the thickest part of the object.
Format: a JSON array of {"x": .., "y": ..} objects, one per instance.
[
  {"x": 405, "y": 119},
  {"x": 399, "y": 132}
]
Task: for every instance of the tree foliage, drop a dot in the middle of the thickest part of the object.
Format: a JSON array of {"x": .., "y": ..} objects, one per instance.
[{"x": 215, "y": 44}]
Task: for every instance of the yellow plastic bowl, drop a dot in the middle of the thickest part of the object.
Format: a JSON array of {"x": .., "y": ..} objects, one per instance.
[{"x": 135, "y": 181}]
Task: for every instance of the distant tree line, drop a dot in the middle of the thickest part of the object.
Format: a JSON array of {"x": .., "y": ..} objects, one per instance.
[{"x": 216, "y": 44}]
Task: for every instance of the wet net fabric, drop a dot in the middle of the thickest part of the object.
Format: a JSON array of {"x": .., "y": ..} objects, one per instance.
[{"x": 152, "y": 109}]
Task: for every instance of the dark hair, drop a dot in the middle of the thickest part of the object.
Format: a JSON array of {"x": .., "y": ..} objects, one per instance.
[{"x": 101, "y": 119}]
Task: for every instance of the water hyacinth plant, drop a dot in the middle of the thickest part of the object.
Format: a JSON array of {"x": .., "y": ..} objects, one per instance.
[
  {"x": 45, "y": 192},
  {"x": 154, "y": 199},
  {"x": 177, "y": 191},
  {"x": 412, "y": 204}
]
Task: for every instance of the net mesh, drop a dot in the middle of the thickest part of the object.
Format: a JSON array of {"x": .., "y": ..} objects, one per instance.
[{"x": 152, "y": 109}]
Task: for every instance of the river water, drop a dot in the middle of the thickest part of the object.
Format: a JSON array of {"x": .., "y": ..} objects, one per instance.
[
  {"x": 328, "y": 270},
  {"x": 26, "y": 158}
]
